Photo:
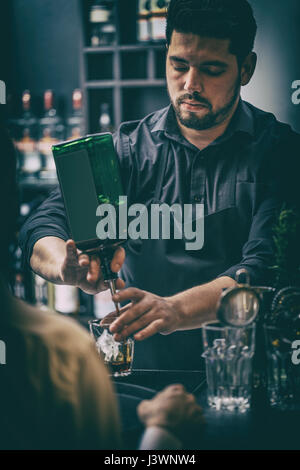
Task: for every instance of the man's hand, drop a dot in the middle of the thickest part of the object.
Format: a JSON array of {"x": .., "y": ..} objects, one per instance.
[
  {"x": 173, "y": 409},
  {"x": 83, "y": 271},
  {"x": 149, "y": 314}
]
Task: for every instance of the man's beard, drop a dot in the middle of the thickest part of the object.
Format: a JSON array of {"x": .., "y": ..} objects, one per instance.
[{"x": 210, "y": 119}]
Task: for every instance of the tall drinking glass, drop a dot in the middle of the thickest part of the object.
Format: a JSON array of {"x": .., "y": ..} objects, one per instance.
[
  {"x": 228, "y": 354},
  {"x": 283, "y": 368}
]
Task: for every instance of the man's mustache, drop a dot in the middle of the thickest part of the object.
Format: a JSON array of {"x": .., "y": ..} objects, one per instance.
[{"x": 193, "y": 97}]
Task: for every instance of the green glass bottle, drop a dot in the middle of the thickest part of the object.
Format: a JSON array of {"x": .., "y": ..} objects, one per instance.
[{"x": 89, "y": 175}]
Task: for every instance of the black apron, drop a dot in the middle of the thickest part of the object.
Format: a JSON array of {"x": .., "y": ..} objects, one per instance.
[{"x": 164, "y": 267}]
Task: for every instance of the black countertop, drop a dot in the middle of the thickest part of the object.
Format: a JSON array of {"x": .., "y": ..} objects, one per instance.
[{"x": 259, "y": 428}]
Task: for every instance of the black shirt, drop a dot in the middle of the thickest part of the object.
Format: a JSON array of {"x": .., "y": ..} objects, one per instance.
[{"x": 240, "y": 178}]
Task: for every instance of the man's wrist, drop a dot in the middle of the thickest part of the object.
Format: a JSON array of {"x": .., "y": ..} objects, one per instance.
[
  {"x": 179, "y": 305},
  {"x": 198, "y": 304},
  {"x": 223, "y": 282}
]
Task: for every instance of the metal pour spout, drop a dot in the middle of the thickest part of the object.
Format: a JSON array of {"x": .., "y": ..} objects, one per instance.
[{"x": 113, "y": 291}]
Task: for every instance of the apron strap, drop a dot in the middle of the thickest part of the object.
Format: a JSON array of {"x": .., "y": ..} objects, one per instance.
[
  {"x": 232, "y": 177},
  {"x": 163, "y": 162}
]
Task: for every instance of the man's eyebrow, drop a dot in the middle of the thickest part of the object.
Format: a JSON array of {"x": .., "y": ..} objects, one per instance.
[
  {"x": 178, "y": 59},
  {"x": 215, "y": 63}
]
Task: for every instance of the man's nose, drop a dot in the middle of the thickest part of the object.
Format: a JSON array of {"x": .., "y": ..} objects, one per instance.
[{"x": 193, "y": 81}]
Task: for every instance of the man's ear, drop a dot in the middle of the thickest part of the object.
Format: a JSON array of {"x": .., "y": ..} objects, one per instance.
[{"x": 248, "y": 68}]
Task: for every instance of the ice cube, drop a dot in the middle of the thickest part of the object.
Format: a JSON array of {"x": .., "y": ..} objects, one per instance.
[
  {"x": 246, "y": 352},
  {"x": 108, "y": 346},
  {"x": 219, "y": 343},
  {"x": 232, "y": 351}
]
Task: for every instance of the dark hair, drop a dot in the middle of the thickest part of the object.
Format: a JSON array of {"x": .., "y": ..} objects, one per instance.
[
  {"x": 223, "y": 19},
  {"x": 8, "y": 197}
]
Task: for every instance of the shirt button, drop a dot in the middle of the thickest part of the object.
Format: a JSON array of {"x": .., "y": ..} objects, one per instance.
[{"x": 197, "y": 198}]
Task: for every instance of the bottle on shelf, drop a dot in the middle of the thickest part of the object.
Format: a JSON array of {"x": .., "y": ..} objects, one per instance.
[
  {"x": 102, "y": 23},
  {"x": 143, "y": 21},
  {"x": 105, "y": 124},
  {"x": 66, "y": 299},
  {"x": 103, "y": 304},
  {"x": 158, "y": 19},
  {"x": 75, "y": 123},
  {"x": 29, "y": 162},
  {"x": 51, "y": 131},
  {"x": 50, "y": 292},
  {"x": 40, "y": 291},
  {"x": 18, "y": 286}
]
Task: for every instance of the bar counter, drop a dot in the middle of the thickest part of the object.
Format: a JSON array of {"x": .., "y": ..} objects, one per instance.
[{"x": 259, "y": 428}]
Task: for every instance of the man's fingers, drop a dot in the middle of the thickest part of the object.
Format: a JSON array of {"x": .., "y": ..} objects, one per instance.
[
  {"x": 118, "y": 259},
  {"x": 120, "y": 284},
  {"x": 71, "y": 251},
  {"x": 133, "y": 313},
  {"x": 83, "y": 260},
  {"x": 108, "y": 319},
  {"x": 94, "y": 269},
  {"x": 152, "y": 329},
  {"x": 190, "y": 398},
  {"x": 132, "y": 293},
  {"x": 137, "y": 325},
  {"x": 174, "y": 388},
  {"x": 143, "y": 407},
  {"x": 99, "y": 285}
]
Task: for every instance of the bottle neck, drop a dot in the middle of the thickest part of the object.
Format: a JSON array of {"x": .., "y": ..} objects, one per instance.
[
  {"x": 105, "y": 120},
  {"x": 77, "y": 103},
  {"x": 26, "y": 103},
  {"x": 49, "y": 104}
]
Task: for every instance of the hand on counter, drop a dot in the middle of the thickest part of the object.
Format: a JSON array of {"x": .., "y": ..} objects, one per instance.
[
  {"x": 83, "y": 270},
  {"x": 148, "y": 314},
  {"x": 173, "y": 409}
]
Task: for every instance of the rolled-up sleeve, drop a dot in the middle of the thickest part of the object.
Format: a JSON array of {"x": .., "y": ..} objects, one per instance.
[
  {"x": 49, "y": 220},
  {"x": 281, "y": 189},
  {"x": 258, "y": 251}
]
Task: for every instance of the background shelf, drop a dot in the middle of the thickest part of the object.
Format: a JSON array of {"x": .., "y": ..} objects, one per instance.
[
  {"x": 124, "y": 47},
  {"x": 128, "y": 75}
]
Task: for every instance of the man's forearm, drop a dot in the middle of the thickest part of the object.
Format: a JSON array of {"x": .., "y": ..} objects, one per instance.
[
  {"x": 47, "y": 258},
  {"x": 198, "y": 305}
]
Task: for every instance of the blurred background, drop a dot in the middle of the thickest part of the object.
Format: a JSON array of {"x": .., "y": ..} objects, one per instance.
[
  {"x": 47, "y": 44},
  {"x": 83, "y": 66}
]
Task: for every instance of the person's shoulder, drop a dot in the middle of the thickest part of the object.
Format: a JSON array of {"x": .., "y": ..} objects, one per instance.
[
  {"x": 266, "y": 123},
  {"x": 54, "y": 331}
]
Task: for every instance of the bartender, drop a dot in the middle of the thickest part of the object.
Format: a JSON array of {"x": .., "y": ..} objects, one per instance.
[{"x": 207, "y": 147}]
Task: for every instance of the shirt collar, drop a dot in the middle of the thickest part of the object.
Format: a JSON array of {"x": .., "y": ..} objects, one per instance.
[{"x": 242, "y": 121}]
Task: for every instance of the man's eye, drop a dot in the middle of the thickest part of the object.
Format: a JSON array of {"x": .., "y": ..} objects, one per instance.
[
  {"x": 180, "y": 69},
  {"x": 213, "y": 73}
]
